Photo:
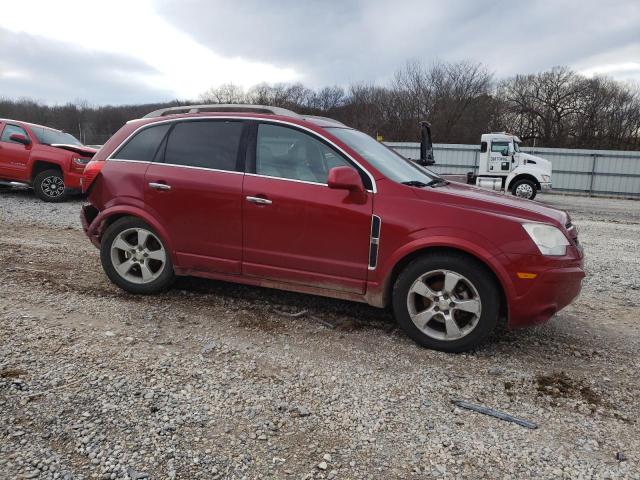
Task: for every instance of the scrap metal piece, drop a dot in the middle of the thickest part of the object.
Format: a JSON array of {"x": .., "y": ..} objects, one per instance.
[{"x": 495, "y": 413}]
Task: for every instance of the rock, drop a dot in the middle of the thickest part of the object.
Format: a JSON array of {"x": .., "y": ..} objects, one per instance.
[{"x": 136, "y": 475}]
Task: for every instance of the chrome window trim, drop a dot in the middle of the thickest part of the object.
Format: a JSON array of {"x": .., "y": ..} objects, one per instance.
[
  {"x": 286, "y": 179},
  {"x": 235, "y": 172},
  {"x": 258, "y": 119}
]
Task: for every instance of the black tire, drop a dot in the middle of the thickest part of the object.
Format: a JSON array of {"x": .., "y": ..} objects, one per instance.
[
  {"x": 473, "y": 271},
  {"x": 165, "y": 277},
  {"x": 49, "y": 186},
  {"x": 525, "y": 182}
]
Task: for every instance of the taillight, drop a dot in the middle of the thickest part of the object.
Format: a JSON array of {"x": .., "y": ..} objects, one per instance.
[{"x": 91, "y": 171}]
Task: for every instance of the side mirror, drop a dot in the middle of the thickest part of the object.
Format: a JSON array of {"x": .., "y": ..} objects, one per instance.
[
  {"x": 19, "y": 138},
  {"x": 345, "y": 178}
]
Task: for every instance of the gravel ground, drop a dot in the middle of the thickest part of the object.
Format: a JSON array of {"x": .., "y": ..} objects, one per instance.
[{"x": 213, "y": 380}]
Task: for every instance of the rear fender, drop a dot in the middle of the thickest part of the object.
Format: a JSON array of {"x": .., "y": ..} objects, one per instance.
[{"x": 97, "y": 227}]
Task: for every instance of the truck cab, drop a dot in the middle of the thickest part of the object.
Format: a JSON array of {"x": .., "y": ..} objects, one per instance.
[{"x": 503, "y": 166}]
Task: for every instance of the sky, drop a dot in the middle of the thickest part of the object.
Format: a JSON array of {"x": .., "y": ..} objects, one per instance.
[{"x": 141, "y": 51}]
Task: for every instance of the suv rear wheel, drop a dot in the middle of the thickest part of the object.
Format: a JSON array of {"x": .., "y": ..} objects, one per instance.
[
  {"x": 446, "y": 302},
  {"x": 49, "y": 186},
  {"x": 135, "y": 258}
]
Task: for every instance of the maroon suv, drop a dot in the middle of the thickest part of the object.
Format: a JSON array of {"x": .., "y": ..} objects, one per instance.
[{"x": 264, "y": 196}]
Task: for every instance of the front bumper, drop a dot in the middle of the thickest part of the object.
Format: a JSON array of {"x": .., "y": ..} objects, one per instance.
[
  {"x": 545, "y": 187},
  {"x": 72, "y": 180},
  {"x": 556, "y": 284}
]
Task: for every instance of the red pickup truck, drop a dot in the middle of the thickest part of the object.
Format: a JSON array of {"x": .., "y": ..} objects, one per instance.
[{"x": 50, "y": 161}]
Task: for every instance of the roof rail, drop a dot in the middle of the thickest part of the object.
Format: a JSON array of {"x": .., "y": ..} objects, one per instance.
[
  {"x": 222, "y": 107},
  {"x": 324, "y": 119}
]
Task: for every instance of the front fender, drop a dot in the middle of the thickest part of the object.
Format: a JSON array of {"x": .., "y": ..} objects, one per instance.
[
  {"x": 480, "y": 248},
  {"x": 523, "y": 170}
]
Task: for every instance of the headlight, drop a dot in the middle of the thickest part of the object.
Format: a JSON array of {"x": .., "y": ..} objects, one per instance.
[
  {"x": 550, "y": 240},
  {"x": 81, "y": 161},
  {"x": 546, "y": 178}
]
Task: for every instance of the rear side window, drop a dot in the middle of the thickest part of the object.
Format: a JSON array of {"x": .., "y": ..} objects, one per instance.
[
  {"x": 10, "y": 130},
  {"x": 144, "y": 145},
  {"x": 204, "y": 144}
]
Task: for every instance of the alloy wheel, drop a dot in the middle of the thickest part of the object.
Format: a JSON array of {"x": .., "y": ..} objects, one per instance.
[
  {"x": 444, "y": 305},
  {"x": 138, "y": 255}
]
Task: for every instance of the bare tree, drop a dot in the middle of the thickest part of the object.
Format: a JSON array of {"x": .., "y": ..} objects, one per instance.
[
  {"x": 554, "y": 108},
  {"x": 227, "y": 93}
]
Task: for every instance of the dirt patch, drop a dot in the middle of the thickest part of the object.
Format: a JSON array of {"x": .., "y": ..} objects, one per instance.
[
  {"x": 560, "y": 385},
  {"x": 12, "y": 373}
]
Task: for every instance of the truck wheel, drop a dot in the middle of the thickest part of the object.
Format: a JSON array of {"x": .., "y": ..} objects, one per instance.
[
  {"x": 524, "y": 189},
  {"x": 49, "y": 186},
  {"x": 446, "y": 302},
  {"x": 135, "y": 258}
]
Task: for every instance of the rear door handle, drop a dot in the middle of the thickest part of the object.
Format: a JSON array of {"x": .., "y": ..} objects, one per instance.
[
  {"x": 259, "y": 200},
  {"x": 159, "y": 186}
]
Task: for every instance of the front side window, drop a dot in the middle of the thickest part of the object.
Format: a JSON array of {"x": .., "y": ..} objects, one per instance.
[
  {"x": 10, "y": 130},
  {"x": 391, "y": 164},
  {"x": 204, "y": 144},
  {"x": 499, "y": 147},
  {"x": 144, "y": 145},
  {"x": 284, "y": 152}
]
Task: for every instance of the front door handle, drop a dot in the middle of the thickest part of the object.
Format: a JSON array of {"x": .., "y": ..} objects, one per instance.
[
  {"x": 159, "y": 186},
  {"x": 259, "y": 200}
]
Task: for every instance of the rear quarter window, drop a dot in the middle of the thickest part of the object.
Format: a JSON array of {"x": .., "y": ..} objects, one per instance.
[{"x": 143, "y": 145}]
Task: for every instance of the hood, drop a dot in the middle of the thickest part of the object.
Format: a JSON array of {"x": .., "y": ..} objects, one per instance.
[
  {"x": 541, "y": 163},
  {"x": 471, "y": 197},
  {"x": 81, "y": 149}
]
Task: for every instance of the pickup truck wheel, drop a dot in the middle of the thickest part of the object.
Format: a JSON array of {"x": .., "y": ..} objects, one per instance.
[
  {"x": 524, "y": 189},
  {"x": 446, "y": 302},
  {"x": 135, "y": 258},
  {"x": 49, "y": 186}
]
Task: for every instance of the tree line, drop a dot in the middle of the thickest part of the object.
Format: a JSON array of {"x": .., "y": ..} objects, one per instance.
[{"x": 462, "y": 100}]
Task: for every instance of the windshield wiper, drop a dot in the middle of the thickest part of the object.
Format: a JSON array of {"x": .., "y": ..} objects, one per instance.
[
  {"x": 437, "y": 182},
  {"x": 415, "y": 183}
]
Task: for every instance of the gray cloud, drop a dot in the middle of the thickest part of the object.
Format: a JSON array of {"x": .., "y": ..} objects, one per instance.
[
  {"x": 367, "y": 40},
  {"x": 56, "y": 72}
]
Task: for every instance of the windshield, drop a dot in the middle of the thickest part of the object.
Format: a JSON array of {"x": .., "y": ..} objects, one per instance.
[
  {"x": 49, "y": 137},
  {"x": 388, "y": 162}
]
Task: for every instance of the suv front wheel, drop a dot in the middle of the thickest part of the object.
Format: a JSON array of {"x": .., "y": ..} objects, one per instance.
[
  {"x": 446, "y": 302},
  {"x": 135, "y": 258}
]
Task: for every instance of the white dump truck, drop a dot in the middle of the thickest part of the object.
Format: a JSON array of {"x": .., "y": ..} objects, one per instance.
[{"x": 501, "y": 165}]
